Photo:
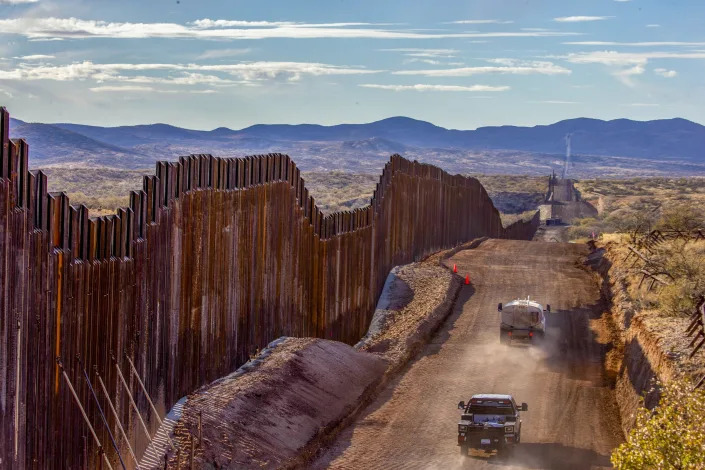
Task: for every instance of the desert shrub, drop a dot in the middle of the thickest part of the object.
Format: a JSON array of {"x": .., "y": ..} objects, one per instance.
[
  {"x": 508, "y": 218},
  {"x": 681, "y": 217},
  {"x": 586, "y": 221},
  {"x": 577, "y": 232},
  {"x": 584, "y": 228},
  {"x": 671, "y": 436},
  {"x": 675, "y": 299},
  {"x": 632, "y": 220},
  {"x": 685, "y": 262}
]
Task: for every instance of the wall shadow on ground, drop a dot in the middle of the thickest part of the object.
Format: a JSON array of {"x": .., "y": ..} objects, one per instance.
[{"x": 553, "y": 456}]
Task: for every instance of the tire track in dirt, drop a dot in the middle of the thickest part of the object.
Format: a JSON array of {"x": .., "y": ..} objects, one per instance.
[{"x": 572, "y": 422}]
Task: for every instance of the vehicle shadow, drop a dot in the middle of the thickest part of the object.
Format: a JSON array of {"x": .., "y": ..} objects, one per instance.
[
  {"x": 573, "y": 348},
  {"x": 551, "y": 456}
]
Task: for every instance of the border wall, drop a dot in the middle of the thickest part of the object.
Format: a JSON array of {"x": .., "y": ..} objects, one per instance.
[{"x": 212, "y": 260}]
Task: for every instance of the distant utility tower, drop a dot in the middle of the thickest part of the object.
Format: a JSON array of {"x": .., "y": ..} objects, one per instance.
[{"x": 567, "y": 155}]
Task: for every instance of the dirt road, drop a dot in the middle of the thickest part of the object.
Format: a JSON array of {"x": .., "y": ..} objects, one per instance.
[{"x": 572, "y": 422}]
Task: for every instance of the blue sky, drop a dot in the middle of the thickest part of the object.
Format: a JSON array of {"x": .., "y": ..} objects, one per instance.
[{"x": 459, "y": 64}]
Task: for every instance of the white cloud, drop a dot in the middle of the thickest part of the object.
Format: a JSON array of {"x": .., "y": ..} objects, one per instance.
[
  {"x": 185, "y": 79},
  {"x": 414, "y": 60},
  {"x": 631, "y": 63},
  {"x": 142, "y": 89},
  {"x": 481, "y": 22},
  {"x": 642, "y": 105},
  {"x": 553, "y": 102},
  {"x": 635, "y": 44},
  {"x": 35, "y": 57},
  {"x": 580, "y": 19},
  {"x": 653, "y": 25},
  {"x": 248, "y": 71},
  {"x": 622, "y": 1},
  {"x": 504, "y": 66},
  {"x": 665, "y": 72},
  {"x": 625, "y": 75},
  {"x": 420, "y": 87},
  {"x": 16, "y": 2},
  {"x": 38, "y": 28},
  {"x": 76, "y": 71},
  {"x": 271, "y": 70},
  {"x": 223, "y": 53},
  {"x": 628, "y": 58},
  {"x": 122, "y": 88},
  {"x": 430, "y": 53},
  {"x": 208, "y": 23},
  {"x": 427, "y": 56}
]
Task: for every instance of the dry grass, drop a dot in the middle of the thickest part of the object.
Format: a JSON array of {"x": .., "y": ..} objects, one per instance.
[
  {"x": 622, "y": 204},
  {"x": 103, "y": 190},
  {"x": 508, "y": 219},
  {"x": 339, "y": 190},
  {"x": 514, "y": 195}
]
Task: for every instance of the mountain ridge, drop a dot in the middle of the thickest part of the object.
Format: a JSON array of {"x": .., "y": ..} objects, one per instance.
[{"x": 662, "y": 140}]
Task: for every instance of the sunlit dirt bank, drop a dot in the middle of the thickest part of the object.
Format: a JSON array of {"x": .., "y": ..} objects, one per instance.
[
  {"x": 649, "y": 346},
  {"x": 573, "y": 419}
]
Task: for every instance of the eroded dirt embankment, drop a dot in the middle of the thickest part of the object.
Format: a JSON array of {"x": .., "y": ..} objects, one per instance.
[
  {"x": 647, "y": 347},
  {"x": 263, "y": 418},
  {"x": 278, "y": 409}
]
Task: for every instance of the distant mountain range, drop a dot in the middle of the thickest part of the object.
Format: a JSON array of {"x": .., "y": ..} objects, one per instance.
[{"x": 676, "y": 142}]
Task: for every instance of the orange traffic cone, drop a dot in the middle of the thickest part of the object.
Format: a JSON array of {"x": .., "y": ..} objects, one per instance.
[
  {"x": 467, "y": 279},
  {"x": 455, "y": 268}
]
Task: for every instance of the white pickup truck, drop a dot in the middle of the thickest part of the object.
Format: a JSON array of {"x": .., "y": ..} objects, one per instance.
[{"x": 522, "y": 319}]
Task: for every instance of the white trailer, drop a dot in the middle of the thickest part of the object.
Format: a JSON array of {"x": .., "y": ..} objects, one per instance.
[{"x": 522, "y": 319}]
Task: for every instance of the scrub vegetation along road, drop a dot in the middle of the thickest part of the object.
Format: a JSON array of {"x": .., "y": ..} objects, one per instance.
[{"x": 573, "y": 420}]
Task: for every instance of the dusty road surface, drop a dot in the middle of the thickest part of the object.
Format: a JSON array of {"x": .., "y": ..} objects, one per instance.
[
  {"x": 572, "y": 422},
  {"x": 552, "y": 233}
]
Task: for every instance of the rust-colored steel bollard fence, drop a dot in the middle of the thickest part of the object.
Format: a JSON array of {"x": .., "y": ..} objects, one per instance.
[{"x": 212, "y": 259}]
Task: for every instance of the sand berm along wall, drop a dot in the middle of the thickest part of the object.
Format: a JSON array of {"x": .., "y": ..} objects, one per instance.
[{"x": 213, "y": 259}]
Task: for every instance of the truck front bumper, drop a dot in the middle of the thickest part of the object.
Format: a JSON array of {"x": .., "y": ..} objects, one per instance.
[{"x": 488, "y": 441}]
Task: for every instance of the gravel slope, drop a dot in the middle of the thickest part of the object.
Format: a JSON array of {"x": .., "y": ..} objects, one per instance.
[{"x": 265, "y": 417}]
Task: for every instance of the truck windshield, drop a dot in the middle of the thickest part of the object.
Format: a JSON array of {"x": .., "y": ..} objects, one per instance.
[{"x": 490, "y": 410}]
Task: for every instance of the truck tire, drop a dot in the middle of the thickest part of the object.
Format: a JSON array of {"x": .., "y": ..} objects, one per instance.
[
  {"x": 464, "y": 451},
  {"x": 503, "y": 337}
]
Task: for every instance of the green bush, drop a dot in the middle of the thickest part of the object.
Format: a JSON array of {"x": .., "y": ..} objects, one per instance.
[{"x": 671, "y": 436}]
